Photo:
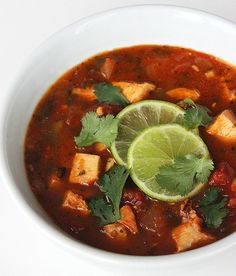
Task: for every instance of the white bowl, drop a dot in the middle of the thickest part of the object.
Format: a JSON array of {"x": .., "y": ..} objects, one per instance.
[{"x": 122, "y": 27}]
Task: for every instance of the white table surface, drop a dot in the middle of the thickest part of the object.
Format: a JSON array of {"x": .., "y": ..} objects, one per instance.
[{"x": 24, "y": 250}]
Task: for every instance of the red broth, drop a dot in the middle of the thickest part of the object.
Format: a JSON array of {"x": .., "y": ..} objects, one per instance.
[{"x": 50, "y": 146}]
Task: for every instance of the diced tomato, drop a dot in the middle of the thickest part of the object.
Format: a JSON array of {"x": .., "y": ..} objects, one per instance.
[
  {"x": 203, "y": 63},
  {"x": 47, "y": 152},
  {"x": 232, "y": 202},
  {"x": 233, "y": 185},
  {"x": 54, "y": 181},
  {"x": 222, "y": 176},
  {"x": 133, "y": 197},
  {"x": 182, "y": 68},
  {"x": 72, "y": 117}
]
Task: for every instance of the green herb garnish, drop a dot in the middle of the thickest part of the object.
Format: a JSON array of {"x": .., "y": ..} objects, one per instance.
[
  {"x": 103, "y": 210},
  {"x": 97, "y": 129},
  {"x": 108, "y": 93},
  {"x": 185, "y": 172},
  {"x": 197, "y": 115},
  {"x": 212, "y": 207},
  {"x": 112, "y": 184}
]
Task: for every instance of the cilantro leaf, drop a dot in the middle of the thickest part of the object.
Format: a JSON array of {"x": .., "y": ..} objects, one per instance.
[
  {"x": 97, "y": 129},
  {"x": 103, "y": 210},
  {"x": 210, "y": 196},
  {"x": 109, "y": 93},
  {"x": 112, "y": 184},
  {"x": 197, "y": 115},
  {"x": 212, "y": 207},
  {"x": 185, "y": 172}
]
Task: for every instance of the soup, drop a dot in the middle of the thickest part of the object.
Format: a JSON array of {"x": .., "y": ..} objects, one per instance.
[{"x": 134, "y": 150}]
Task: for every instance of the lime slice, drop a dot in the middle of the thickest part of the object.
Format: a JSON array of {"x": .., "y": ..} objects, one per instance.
[
  {"x": 136, "y": 117},
  {"x": 157, "y": 146}
]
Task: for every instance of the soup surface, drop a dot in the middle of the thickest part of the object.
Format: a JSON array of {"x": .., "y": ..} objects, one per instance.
[{"x": 66, "y": 175}]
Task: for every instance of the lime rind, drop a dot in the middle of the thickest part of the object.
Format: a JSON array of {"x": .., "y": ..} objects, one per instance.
[
  {"x": 151, "y": 158},
  {"x": 148, "y": 102}
]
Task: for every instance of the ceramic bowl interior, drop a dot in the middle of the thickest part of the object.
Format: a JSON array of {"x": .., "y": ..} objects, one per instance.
[{"x": 105, "y": 31}]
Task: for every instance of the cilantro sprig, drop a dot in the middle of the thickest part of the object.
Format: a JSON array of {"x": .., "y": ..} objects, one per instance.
[
  {"x": 187, "y": 171},
  {"x": 108, "y": 93},
  {"x": 97, "y": 129},
  {"x": 112, "y": 184},
  {"x": 197, "y": 115},
  {"x": 212, "y": 206}
]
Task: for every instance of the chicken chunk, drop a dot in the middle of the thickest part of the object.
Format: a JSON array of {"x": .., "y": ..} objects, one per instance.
[
  {"x": 115, "y": 231},
  {"x": 128, "y": 219},
  {"x": 224, "y": 126},
  {"x": 178, "y": 94},
  {"x": 76, "y": 202},
  {"x": 189, "y": 234},
  {"x": 86, "y": 94},
  {"x": 85, "y": 169},
  {"x": 135, "y": 92},
  {"x": 118, "y": 230}
]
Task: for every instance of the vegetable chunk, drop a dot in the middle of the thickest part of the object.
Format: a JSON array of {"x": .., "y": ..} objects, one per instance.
[
  {"x": 76, "y": 202},
  {"x": 224, "y": 126},
  {"x": 107, "y": 68},
  {"x": 189, "y": 234},
  {"x": 85, "y": 169},
  {"x": 182, "y": 93},
  {"x": 135, "y": 92},
  {"x": 86, "y": 94}
]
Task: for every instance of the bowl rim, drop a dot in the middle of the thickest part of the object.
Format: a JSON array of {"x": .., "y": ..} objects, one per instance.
[{"x": 56, "y": 234}]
